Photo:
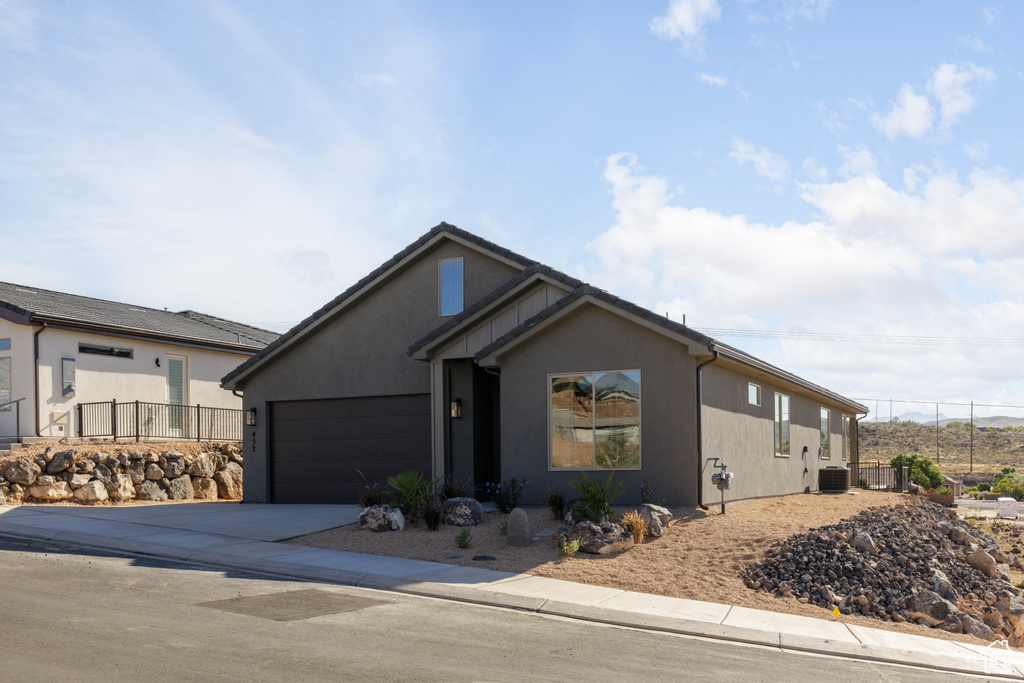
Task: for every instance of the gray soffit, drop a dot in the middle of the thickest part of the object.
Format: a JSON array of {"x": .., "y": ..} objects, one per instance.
[
  {"x": 311, "y": 322},
  {"x": 34, "y": 305},
  {"x": 494, "y": 299}
]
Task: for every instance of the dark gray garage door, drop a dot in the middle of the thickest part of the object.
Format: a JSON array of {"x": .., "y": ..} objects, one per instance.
[{"x": 318, "y": 448}]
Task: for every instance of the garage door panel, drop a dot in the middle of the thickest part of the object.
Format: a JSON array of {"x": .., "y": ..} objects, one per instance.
[
  {"x": 320, "y": 447},
  {"x": 347, "y": 451},
  {"x": 353, "y": 428},
  {"x": 366, "y": 406}
]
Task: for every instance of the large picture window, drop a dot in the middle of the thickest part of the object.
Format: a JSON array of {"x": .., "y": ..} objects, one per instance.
[
  {"x": 826, "y": 433},
  {"x": 781, "y": 425},
  {"x": 5, "y": 383},
  {"x": 595, "y": 420}
]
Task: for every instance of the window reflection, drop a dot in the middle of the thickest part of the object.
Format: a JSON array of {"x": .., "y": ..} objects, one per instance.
[{"x": 595, "y": 420}]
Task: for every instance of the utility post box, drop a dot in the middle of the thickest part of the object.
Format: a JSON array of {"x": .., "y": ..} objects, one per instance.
[{"x": 1006, "y": 508}]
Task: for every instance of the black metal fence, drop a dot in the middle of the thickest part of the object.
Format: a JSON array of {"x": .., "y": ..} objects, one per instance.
[
  {"x": 141, "y": 420},
  {"x": 879, "y": 477}
]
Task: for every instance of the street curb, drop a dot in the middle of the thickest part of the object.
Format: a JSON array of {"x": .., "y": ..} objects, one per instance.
[{"x": 491, "y": 598}]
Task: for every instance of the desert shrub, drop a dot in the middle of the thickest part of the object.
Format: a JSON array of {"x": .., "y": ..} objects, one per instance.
[
  {"x": 1007, "y": 487},
  {"x": 506, "y": 494},
  {"x": 371, "y": 495},
  {"x": 503, "y": 526},
  {"x": 463, "y": 537},
  {"x": 567, "y": 547},
  {"x": 453, "y": 488},
  {"x": 646, "y": 492},
  {"x": 944, "y": 490},
  {"x": 958, "y": 426},
  {"x": 596, "y": 497},
  {"x": 977, "y": 495},
  {"x": 1008, "y": 473},
  {"x": 923, "y": 471},
  {"x": 432, "y": 515},
  {"x": 556, "y": 503},
  {"x": 863, "y": 483},
  {"x": 634, "y": 523},
  {"x": 411, "y": 490},
  {"x": 983, "y": 486}
]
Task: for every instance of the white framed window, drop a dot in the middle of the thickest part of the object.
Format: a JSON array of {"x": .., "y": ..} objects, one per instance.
[
  {"x": 781, "y": 425},
  {"x": 449, "y": 281},
  {"x": 824, "y": 451},
  {"x": 5, "y": 383},
  {"x": 594, "y": 420},
  {"x": 753, "y": 394}
]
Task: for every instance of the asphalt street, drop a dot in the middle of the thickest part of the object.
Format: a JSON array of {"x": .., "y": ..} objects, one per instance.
[{"x": 84, "y": 615}]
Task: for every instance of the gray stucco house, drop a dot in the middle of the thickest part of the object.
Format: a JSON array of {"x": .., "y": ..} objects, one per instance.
[{"x": 460, "y": 358}]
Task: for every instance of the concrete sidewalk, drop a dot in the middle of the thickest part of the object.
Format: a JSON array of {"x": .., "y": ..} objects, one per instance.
[{"x": 246, "y": 537}]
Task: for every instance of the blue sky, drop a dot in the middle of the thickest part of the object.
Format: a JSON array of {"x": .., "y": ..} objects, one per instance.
[{"x": 850, "y": 168}]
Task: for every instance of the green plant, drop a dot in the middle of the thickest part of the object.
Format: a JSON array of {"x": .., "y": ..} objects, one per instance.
[
  {"x": 506, "y": 494},
  {"x": 863, "y": 483},
  {"x": 983, "y": 486},
  {"x": 503, "y": 526},
  {"x": 463, "y": 537},
  {"x": 411, "y": 490},
  {"x": 596, "y": 497},
  {"x": 556, "y": 503},
  {"x": 453, "y": 488},
  {"x": 432, "y": 515},
  {"x": 567, "y": 547},
  {"x": 944, "y": 490},
  {"x": 922, "y": 471},
  {"x": 646, "y": 492},
  {"x": 977, "y": 495},
  {"x": 371, "y": 495},
  {"x": 634, "y": 523}
]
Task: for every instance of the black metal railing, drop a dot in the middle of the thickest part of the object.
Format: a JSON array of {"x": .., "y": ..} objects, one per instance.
[
  {"x": 17, "y": 414},
  {"x": 142, "y": 420},
  {"x": 879, "y": 477}
]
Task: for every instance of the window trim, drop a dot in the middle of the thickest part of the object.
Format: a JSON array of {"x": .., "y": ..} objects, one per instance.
[
  {"x": 440, "y": 291},
  {"x": 825, "y": 430},
  {"x": 594, "y": 468},
  {"x": 97, "y": 350},
  {"x": 777, "y": 425},
  {"x": 847, "y": 422},
  {"x": 752, "y": 385}
]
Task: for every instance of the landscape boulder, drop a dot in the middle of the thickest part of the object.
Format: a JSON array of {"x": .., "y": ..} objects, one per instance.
[
  {"x": 57, "y": 491},
  {"x": 23, "y": 472},
  {"x": 79, "y": 480},
  {"x": 519, "y": 533},
  {"x": 381, "y": 518},
  {"x": 865, "y": 544},
  {"x": 137, "y": 471},
  {"x": 930, "y": 607},
  {"x": 204, "y": 466},
  {"x": 229, "y": 482},
  {"x": 603, "y": 539},
  {"x": 119, "y": 487},
  {"x": 204, "y": 488},
  {"x": 181, "y": 488},
  {"x": 60, "y": 462},
  {"x": 984, "y": 562},
  {"x": 174, "y": 468},
  {"x": 461, "y": 511},
  {"x": 92, "y": 492},
  {"x": 154, "y": 472},
  {"x": 657, "y": 519},
  {"x": 150, "y": 490}
]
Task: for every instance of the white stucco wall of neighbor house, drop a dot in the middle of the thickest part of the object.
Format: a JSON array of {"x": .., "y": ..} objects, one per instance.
[
  {"x": 102, "y": 377},
  {"x": 19, "y": 358}
]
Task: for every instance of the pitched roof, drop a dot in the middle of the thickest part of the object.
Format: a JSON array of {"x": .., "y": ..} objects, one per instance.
[
  {"x": 41, "y": 305},
  {"x": 376, "y": 273},
  {"x": 506, "y": 287}
]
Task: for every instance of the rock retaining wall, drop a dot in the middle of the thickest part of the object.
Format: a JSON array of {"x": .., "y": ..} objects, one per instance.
[{"x": 77, "y": 476}]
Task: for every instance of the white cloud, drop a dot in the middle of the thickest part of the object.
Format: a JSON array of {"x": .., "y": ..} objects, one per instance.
[
  {"x": 943, "y": 260},
  {"x": 990, "y": 14},
  {"x": 685, "y": 21},
  {"x": 765, "y": 162},
  {"x": 814, "y": 170},
  {"x": 975, "y": 43},
  {"x": 17, "y": 24},
  {"x": 977, "y": 150},
  {"x": 857, "y": 162},
  {"x": 717, "y": 81},
  {"x": 951, "y": 85},
  {"x": 911, "y": 115}
]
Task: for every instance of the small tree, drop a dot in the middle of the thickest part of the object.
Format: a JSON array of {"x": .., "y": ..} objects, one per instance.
[{"x": 923, "y": 471}]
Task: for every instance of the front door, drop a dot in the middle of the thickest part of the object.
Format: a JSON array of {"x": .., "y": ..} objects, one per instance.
[{"x": 177, "y": 392}]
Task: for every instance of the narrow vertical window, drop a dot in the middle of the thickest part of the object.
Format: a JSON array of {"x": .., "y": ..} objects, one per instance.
[
  {"x": 753, "y": 394},
  {"x": 781, "y": 425},
  {"x": 5, "y": 384},
  {"x": 826, "y": 433},
  {"x": 450, "y": 286},
  {"x": 846, "y": 437}
]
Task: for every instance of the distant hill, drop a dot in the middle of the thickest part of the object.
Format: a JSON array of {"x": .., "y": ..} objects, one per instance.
[{"x": 1001, "y": 421}]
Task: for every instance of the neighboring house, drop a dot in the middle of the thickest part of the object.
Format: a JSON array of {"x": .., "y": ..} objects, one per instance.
[
  {"x": 109, "y": 351},
  {"x": 460, "y": 358}
]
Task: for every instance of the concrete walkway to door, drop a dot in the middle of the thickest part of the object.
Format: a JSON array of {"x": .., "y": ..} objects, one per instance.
[{"x": 247, "y": 537}]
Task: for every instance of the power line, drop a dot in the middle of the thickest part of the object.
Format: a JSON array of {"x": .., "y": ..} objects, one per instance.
[{"x": 910, "y": 340}]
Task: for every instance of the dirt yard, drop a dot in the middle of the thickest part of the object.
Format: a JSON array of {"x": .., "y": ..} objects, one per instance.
[{"x": 700, "y": 558}]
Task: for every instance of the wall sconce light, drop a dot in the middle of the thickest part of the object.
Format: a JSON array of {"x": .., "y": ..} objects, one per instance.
[
  {"x": 457, "y": 408},
  {"x": 158, "y": 362},
  {"x": 250, "y": 417}
]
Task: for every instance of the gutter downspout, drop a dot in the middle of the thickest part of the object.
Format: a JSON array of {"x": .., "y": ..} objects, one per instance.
[
  {"x": 35, "y": 346},
  {"x": 235, "y": 392},
  {"x": 700, "y": 434}
]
